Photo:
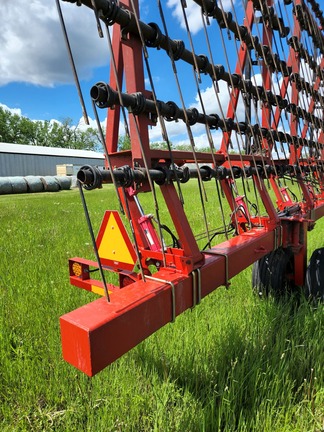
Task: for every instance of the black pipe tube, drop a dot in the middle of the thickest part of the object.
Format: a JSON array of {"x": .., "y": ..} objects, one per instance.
[
  {"x": 91, "y": 177},
  {"x": 124, "y": 176},
  {"x": 104, "y": 96}
]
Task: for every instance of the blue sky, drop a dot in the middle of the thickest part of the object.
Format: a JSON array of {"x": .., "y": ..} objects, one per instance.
[
  {"x": 34, "y": 58},
  {"x": 35, "y": 75}
]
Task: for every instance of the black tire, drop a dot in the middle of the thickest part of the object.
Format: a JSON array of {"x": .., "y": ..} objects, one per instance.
[
  {"x": 314, "y": 281},
  {"x": 272, "y": 274}
]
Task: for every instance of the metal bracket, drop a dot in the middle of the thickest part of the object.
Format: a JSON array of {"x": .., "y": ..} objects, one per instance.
[
  {"x": 196, "y": 287},
  {"x": 152, "y": 278},
  {"x": 210, "y": 252},
  {"x": 278, "y": 243}
]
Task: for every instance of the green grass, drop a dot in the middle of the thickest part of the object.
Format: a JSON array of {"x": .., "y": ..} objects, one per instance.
[{"x": 234, "y": 363}]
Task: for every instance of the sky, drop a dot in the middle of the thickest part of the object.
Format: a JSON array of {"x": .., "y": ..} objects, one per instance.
[
  {"x": 36, "y": 79},
  {"x": 35, "y": 73}
]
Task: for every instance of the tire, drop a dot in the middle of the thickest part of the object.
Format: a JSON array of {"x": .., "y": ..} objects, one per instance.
[
  {"x": 314, "y": 281},
  {"x": 272, "y": 274}
]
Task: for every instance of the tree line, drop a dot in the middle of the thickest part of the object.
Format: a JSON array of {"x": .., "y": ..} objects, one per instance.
[
  {"x": 21, "y": 130},
  {"x": 124, "y": 143},
  {"x": 17, "y": 129}
]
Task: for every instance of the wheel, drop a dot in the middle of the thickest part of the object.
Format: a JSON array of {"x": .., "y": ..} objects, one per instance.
[
  {"x": 272, "y": 274},
  {"x": 314, "y": 281}
]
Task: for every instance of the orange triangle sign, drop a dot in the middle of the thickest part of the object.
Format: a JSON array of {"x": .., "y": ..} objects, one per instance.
[{"x": 114, "y": 246}]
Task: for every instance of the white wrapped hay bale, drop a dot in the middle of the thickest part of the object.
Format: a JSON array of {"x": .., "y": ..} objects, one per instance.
[
  {"x": 50, "y": 184},
  {"x": 34, "y": 184},
  {"x": 19, "y": 185},
  {"x": 64, "y": 182},
  {"x": 5, "y": 186}
]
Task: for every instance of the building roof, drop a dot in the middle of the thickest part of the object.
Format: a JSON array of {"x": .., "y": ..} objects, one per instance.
[{"x": 48, "y": 151}]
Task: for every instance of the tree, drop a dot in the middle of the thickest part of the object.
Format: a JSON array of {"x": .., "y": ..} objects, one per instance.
[
  {"x": 21, "y": 130},
  {"x": 187, "y": 147},
  {"x": 124, "y": 143},
  {"x": 160, "y": 145}
]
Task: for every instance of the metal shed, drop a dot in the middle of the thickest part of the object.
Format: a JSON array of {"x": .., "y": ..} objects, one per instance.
[{"x": 24, "y": 160}]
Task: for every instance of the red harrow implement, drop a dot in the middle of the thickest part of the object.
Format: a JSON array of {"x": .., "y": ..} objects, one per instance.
[{"x": 258, "y": 110}]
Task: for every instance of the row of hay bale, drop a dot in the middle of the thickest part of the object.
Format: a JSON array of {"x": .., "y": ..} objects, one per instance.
[{"x": 15, "y": 185}]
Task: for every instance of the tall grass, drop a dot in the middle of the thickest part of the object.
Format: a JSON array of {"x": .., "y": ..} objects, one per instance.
[{"x": 234, "y": 363}]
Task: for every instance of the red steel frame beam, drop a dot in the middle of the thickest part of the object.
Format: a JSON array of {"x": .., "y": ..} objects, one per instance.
[
  {"x": 131, "y": 50},
  {"x": 295, "y": 64},
  {"x": 98, "y": 333},
  {"x": 129, "y": 60},
  {"x": 240, "y": 64}
]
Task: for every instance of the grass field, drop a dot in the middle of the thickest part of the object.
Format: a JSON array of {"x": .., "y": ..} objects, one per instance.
[{"x": 234, "y": 363}]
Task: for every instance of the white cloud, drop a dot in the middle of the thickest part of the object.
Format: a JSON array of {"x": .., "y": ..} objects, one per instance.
[
  {"x": 12, "y": 110},
  {"x": 32, "y": 45},
  {"x": 92, "y": 124},
  {"x": 156, "y": 79},
  {"x": 213, "y": 104},
  {"x": 193, "y": 13},
  {"x": 177, "y": 134},
  {"x": 218, "y": 104}
]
